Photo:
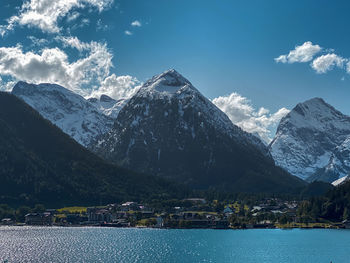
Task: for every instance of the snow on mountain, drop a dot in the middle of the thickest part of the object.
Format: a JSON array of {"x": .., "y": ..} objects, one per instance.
[
  {"x": 341, "y": 181},
  {"x": 169, "y": 128},
  {"x": 107, "y": 105},
  {"x": 312, "y": 142},
  {"x": 69, "y": 111}
]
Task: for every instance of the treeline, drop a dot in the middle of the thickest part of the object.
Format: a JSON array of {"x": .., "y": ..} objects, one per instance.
[
  {"x": 18, "y": 214},
  {"x": 333, "y": 206}
]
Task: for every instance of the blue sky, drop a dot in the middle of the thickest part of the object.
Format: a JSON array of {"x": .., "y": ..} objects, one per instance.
[{"x": 220, "y": 46}]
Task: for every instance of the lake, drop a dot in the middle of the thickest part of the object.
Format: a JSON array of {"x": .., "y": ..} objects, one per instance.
[{"x": 54, "y": 244}]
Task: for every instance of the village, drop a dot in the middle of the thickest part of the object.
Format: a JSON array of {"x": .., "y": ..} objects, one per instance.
[{"x": 196, "y": 213}]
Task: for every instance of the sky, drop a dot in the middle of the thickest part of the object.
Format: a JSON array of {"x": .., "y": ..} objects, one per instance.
[{"x": 254, "y": 59}]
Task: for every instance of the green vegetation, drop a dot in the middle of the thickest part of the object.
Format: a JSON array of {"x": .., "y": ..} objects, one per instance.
[
  {"x": 18, "y": 214},
  {"x": 334, "y": 206},
  {"x": 40, "y": 163},
  {"x": 72, "y": 210}
]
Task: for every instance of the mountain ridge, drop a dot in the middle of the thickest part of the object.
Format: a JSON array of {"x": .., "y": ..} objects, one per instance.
[
  {"x": 312, "y": 142},
  {"x": 41, "y": 164},
  {"x": 72, "y": 113},
  {"x": 168, "y": 128}
]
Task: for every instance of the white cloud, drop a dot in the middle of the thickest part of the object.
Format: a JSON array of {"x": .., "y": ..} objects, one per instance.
[
  {"x": 100, "y": 26},
  {"x": 303, "y": 53},
  {"x": 136, "y": 23},
  {"x": 73, "y": 16},
  {"x": 117, "y": 87},
  {"x": 52, "y": 65},
  {"x": 241, "y": 112},
  {"x": 127, "y": 32},
  {"x": 45, "y": 14},
  {"x": 6, "y": 85},
  {"x": 38, "y": 42},
  {"x": 74, "y": 42},
  {"x": 327, "y": 62}
]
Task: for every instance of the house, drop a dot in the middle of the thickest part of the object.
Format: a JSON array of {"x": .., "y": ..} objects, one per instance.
[
  {"x": 76, "y": 219},
  {"x": 346, "y": 224},
  {"x": 196, "y": 200},
  {"x": 228, "y": 211},
  {"x": 39, "y": 219},
  {"x": 130, "y": 206},
  {"x": 98, "y": 215},
  {"x": 160, "y": 222},
  {"x": 7, "y": 221}
]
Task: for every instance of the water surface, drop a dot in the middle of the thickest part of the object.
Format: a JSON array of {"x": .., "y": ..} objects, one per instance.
[{"x": 41, "y": 244}]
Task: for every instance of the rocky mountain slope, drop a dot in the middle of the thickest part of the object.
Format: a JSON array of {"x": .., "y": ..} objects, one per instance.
[
  {"x": 313, "y": 142},
  {"x": 107, "y": 105},
  {"x": 41, "y": 164},
  {"x": 77, "y": 117},
  {"x": 168, "y": 128}
]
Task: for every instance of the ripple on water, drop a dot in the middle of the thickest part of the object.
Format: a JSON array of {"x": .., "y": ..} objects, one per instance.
[{"x": 54, "y": 244}]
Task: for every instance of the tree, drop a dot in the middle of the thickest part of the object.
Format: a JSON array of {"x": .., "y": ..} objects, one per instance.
[
  {"x": 21, "y": 212},
  {"x": 39, "y": 208},
  {"x": 346, "y": 215}
]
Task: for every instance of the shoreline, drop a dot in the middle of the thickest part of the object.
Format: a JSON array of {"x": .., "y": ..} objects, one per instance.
[{"x": 168, "y": 228}]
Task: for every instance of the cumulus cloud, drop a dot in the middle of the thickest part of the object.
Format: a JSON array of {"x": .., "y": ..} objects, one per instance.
[
  {"x": 52, "y": 65},
  {"x": 327, "y": 62},
  {"x": 38, "y": 42},
  {"x": 241, "y": 112},
  {"x": 136, "y": 23},
  {"x": 72, "y": 16},
  {"x": 322, "y": 63},
  {"x": 6, "y": 85},
  {"x": 127, "y": 32},
  {"x": 117, "y": 87},
  {"x": 303, "y": 53},
  {"x": 45, "y": 14}
]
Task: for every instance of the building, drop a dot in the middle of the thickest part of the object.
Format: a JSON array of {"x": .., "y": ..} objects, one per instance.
[
  {"x": 7, "y": 221},
  {"x": 160, "y": 222},
  {"x": 130, "y": 206},
  {"x": 346, "y": 224},
  {"x": 98, "y": 215},
  {"x": 39, "y": 219},
  {"x": 200, "y": 201},
  {"x": 228, "y": 211}
]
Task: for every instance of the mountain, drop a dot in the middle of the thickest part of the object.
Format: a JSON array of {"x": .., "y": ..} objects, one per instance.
[
  {"x": 313, "y": 142},
  {"x": 107, "y": 105},
  {"x": 41, "y": 164},
  {"x": 69, "y": 111},
  {"x": 169, "y": 129}
]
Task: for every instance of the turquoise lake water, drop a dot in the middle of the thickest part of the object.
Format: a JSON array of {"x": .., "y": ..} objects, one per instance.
[{"x": 35, "y": 244}]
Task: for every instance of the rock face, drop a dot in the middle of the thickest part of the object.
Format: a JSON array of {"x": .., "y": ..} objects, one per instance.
[
  {"x": 41, "y": 164},
  {"x": 69, "y": 111},
  {"x": 168, "y": 128},
  {"x": 313, "y": 142},
  {"x": 108, "y": 106}
]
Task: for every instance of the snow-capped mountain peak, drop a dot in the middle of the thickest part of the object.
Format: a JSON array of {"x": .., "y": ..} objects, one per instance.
[
  {"x": 108, "y": 105},
  {"x": 166, "y": 84},
  {"x": 311, "y": 141},
  {"x": 69, "y": 111},
  {"x": 169, "y": 128},
  {"x": 317, "y": 114}
]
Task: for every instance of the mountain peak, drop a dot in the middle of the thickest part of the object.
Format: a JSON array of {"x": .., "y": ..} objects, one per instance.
[
  {"x": 69, "y": 111},
  {"x": 25, "y": 88},
  {"x": 168, "y": 82},
  {"x": 314, "y": 104},
  {"x": 105, "y": 98},
  {"x": 314, "y": 113},
  {"x": 310, "y": 141}
]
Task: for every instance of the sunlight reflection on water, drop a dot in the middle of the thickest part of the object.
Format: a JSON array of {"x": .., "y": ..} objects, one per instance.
[{"x": 54, "y": 244}]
